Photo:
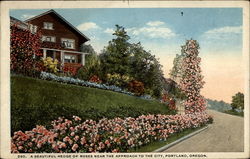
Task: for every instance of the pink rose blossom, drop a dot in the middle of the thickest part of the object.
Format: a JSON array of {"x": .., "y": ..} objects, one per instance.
[{"x": 74, "y": 147}]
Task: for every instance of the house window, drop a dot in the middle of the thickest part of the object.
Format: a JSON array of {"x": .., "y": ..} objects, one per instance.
[
  {"x": 47, "y": 25},
  {"x": 49, "y": 38},
  {"x": 70, "y": 58},
  {"x": 68, "y": 43}
]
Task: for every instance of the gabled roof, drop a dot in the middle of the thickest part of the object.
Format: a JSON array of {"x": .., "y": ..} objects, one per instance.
[
  {"x": 12, "y": 19},
  {"x": 63, "y": 19},
  {"x": 19, "y": 23}
]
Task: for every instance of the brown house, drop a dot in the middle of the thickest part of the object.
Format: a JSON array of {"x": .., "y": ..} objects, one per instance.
[{"x": 60, "y": 39}]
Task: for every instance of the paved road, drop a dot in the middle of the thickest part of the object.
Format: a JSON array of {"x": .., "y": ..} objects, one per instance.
[{"x": 224, "y": 135}]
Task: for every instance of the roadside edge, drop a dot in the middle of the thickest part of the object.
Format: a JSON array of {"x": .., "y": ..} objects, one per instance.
[{"x": 180, "y": 140}]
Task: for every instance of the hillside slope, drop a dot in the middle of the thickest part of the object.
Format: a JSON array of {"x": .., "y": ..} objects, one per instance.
[{"x": 35, "y": 101}]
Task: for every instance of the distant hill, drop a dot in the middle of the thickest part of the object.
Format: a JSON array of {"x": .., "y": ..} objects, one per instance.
[{"x": 220, "y": 106}]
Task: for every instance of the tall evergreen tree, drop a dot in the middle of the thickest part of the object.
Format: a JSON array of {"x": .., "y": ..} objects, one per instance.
[
  {"x": 115, "y": 57},
  {"x": 124, "y": 58},
  {"x": 192, "y": 79}
]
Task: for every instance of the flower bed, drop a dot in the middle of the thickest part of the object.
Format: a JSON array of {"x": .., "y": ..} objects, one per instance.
[
  {"x": 114, "y": 135},
  {"x": 50, "y": 76}
]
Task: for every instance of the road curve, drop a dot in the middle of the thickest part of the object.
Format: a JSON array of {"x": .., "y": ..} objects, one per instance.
[{"x": 226, "y": 134}]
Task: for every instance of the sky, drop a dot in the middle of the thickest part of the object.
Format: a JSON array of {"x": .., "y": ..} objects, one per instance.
[{"x": 164, "y": 30}]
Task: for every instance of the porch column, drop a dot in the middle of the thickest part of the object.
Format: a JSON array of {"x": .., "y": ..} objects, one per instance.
[
  {"x": 62, "y": 57},
  {"x": 54, "y": 55},
  {"x": 44, "y": 53},
  {"x": 83, "y": 59}
]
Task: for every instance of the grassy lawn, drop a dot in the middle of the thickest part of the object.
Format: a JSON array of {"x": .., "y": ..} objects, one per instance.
[
  {"x": 35, "y": 101},
  {"x": 158, "y": 144}
]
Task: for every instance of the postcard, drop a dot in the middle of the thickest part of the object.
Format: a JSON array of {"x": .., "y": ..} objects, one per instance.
[{"x": 124, "y": 79}]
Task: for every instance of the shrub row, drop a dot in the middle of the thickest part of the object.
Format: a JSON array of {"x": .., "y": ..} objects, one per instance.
[
  {"x": 42, "y": 115},
  {"x": 70, "y": 80},
  {"x": 115, "y": 135}
]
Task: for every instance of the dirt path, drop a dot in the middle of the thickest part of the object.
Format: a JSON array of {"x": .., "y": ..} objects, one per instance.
[{"x": 224, "y": 135}]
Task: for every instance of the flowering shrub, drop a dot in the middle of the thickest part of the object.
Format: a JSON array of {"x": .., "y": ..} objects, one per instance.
[
  {"x": 118, "y": 80},
  {"x": 114, "y": 135},
  {"x": 172, "y": 105},
  {"x": 95, "y": 79},
  {"x": 136, "y": 87},
  {"x": 70, "y": 70},
  {"x": 50, "y": 65},
  {"x": 50, "y": 76},
  {"x": 192, "y": 79},
  {"x": 24, "y": 51},
  {"x": 169, "y": 101},
  {"x": 164, "y": 98}
]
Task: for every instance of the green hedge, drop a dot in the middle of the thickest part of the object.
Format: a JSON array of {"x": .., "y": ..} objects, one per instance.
[
  {"x": 38, "y": 102},
  {"x": 234, "y": 112}
]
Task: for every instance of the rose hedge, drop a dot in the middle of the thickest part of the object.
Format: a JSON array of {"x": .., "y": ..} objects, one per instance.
[
  {"x": 114, "y": 135},
  {"x": 25, "y": 51}
]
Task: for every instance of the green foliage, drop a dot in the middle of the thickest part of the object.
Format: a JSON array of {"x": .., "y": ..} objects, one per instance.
[
  {"x": 92, "y": 64},
  {"x": 35, "y": 101},
  {"x": 115, "y": 57},
  {"x": 177, "y": 93},
  {"x": 171, "y": 88},
  {"x": 118, "y": 80},
  {"x": 124, "y": 58},
  {"x": 27, "y": 116},
  {"x": 83, "y": 73},
  {"x": 146, "y": 68},
  {"x": 87, "y": 49},
  {"x": 234, "y": 112},
  {"x": 92, "y": 59},
  {"x": 92, "y": 68},
  {"x": 176, "y": 72},
  {"x": 238, "y": 101}
]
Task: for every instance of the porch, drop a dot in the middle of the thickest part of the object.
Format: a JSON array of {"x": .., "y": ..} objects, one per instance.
[{"x": 66, "y": 58}]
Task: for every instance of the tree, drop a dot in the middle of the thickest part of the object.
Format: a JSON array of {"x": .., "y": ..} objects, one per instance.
[
  {"x": 146, "y": 68},
  {"x": 92, "y": 59},
  {"x": 92, "y": 64},
  {"x": 123, "y": 58},
  {"x": 192, "y": 79},
  {"x": 115, "y": 57},
  {"x": 176, "y": 72},
  {"x": 87, "y": 48},
  {"x": 238, "y": 101}
]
